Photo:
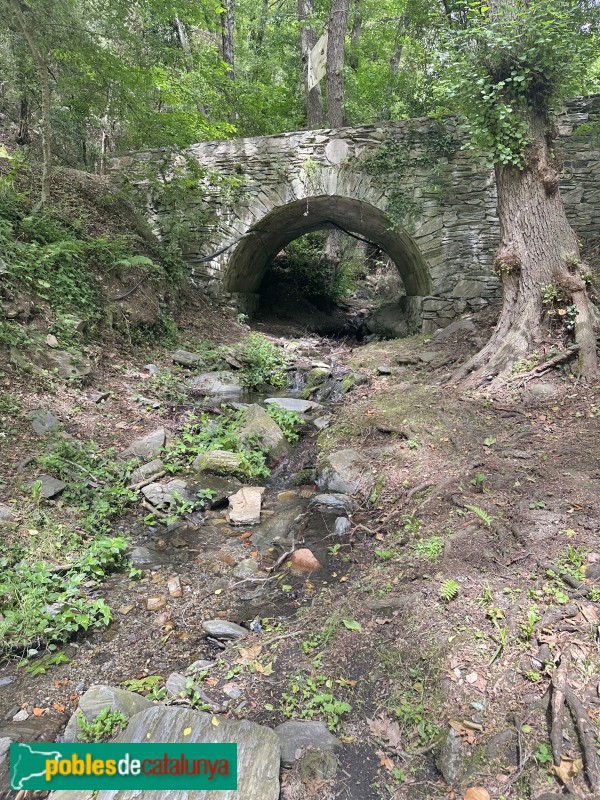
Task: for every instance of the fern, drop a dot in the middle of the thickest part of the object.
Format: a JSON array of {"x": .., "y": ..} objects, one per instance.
[
  {"x": 483, "y": 515},
  {"x": 449, "y": 590}
]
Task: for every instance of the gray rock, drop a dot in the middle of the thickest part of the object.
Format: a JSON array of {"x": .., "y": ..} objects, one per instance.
[
  {"x": 343, "y": 471},
  {"x": 142, "y": 557},
  {"x": 5, "y": 743},
  {"x": 337, "y": 501},
  {"x": 317, "y": 765},
  {"x": 257, "y": 748},
  {"x": 221, "y": 629},
  {"x": 246, "y": 568},
  {"x": 592, "y": 571},
  {"x": 187, "y": 359},
  {"x": 321, "y": 423},
  {"x": 7, "y": 515},
  {"x": 51, "y": 486},
  {"x": 451, "y": 761},
  {"x": 148, "y": 447},
  {"x": 43, "y": 421},
  {"x": 294, "y": 404},
  {"x": 65, "y": 365},
  {"x": 222, "y": 462},
  {"x": 199, "y": 666},
  {"x": 21, "y": 715},
  {"x": 427, "y": 356},
  {"x": 221, "y": 487},
  {"x": 384, "y": 369},
  {"x": 396, "y": 320},
  {"x": 176, "y": 685},
  {"x": 258, "y": 424},
  {"x": 244, "y": 505},
  {"x": 99, "y": 697},
  {"x": 217, "y": 384},
  {"x": 163, "y": 495},
  {"x": 297, "y": 735},
  {"x": 542, "y": 391},
  {"x": 342, "y": 526},
  {"x": 146, "y": 471},
  {"x": 465, "y": 325}
]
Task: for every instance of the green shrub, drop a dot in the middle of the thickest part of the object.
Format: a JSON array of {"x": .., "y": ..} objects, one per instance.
[
  {"x": 290, "y": 422},
  {"x": 264, "y": 362}
]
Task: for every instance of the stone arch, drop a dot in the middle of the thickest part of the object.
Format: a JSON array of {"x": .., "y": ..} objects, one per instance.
[{"x": 249, "y": 261}]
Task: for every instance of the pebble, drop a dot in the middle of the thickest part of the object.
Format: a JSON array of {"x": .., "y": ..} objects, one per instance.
[{"x": 222, "y": 629}]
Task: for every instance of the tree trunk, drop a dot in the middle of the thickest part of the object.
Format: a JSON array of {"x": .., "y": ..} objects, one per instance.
[
  {"x": 338, "y": 22},
  {"x": 308, "y": 39},
  {"x": 41, "y": 66},
  {"x": 189, "y": 60},
  {"x": 227, "y": 25},
  {"x": 355, "y": 36},
  {"x": 537, "y": 247},
  {"x": 22, "y": 136}
]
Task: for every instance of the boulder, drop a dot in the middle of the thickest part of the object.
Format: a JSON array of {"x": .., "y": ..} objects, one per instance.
[
  {"x": 244, "y": 505},
  {"x": 99, "y": 697},
  {"x": 298, "y": 735},
  {"x": 258, "y": 753},
  {"x": 163, "y": 495},
  {"x": 304, "y": 560},
  {"x": 148, "y": 446},
  {"x": 396, "y": 320},
  {"x": 187, "y": 359},
  {"x": 146, "y": 471},
  {"x": 217, "y": 384},
  {"x": 294, "y": 404},
  {"x": 65, "y": 365},
  {"x": 258, "y": 424},
  {"x": 222, "y": 629},
  {"x": 465, "y": 326},
  {"x": 43, "y": 421},
  {"x": 343, "y": 471},
  {"x": 222, "y": 462}
]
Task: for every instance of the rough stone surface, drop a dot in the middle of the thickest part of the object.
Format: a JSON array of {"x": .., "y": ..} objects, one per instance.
[
  {"x": 51, "y": 486},
  {"x": 163, "y": 495},
  {"x": 217, "y": 384},
  {"x": 65, "y": 365},
  {"x": 146, "y": 471},
  {"x": 343, "y": 471},
  {"x": 43, "y": 421},
  {"x": 148, "y": 446},
  {"x": 463, "y": 326},
  {"x": 396, "y": 320},
  {"x": 7, "y": 515},
  {"x": 258, "y": 754},
  {"x": 338, "y": 501},
  {"x": 221, "y": 462},
  {"x": 244, "y": 505},
  {"x": 221, "y": 629},
  {"x": 542, "y": 391},
  {"x": 187, "y": 359},
  {"x": 246, "y": 568},
  {"x": 4, "y": 765},
  {"x": 294, "y": 404},
  {"x": 97, "y": 698},
  {"x": 451, "y": 761},
  {"x": 384, "y": 369},
  {"x": 304, "y": 560},
  {"x": 342, "y": 526},
  {"x": 321, "y": 423},
  {"x": 257, "y": 423},
  {"x": 296, "y": 735},
  {"x": 222, "y": 488}
]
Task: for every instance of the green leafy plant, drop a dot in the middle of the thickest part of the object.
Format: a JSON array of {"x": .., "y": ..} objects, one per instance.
[
  {"x": 431, "y": 548},
  {"x": 290, "y": 422},
  {"x": 449, "y": 590},
  {"x": 310, "y": 697},
  {"x": 483, "y": 515},
  {"x": 264, "y": 362},
  {"x": 102, "y": 728}
]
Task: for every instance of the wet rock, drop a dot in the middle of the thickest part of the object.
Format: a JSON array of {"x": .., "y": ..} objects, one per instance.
[
  {"x": 276, "y": 528},
  {"x": 187, "y": 359},
  {"x": 294, "y": 404},
  {"x": 465, "y": 326},
  {"x": 258, "y": 424},
  {"x": 163, "y": 495},
  {"x": 99, "y": 697},
  {"x": 297, "y": 735},
  {"x": 451, "y": 761},
  {"x": 342, "y": 526},
  {"x": 343, "y": 471},
  {"x": 65, "y": 365},
  {"x": 221, "y": 629},
  {"x": 43, "y": 421},
  {"x": 147, "y": 471},
  {"x": 246, "y": 568},
  {"x": 217, "y": 384},
  {"x": 7, "y": 515},
  {"x": 244, "y": 505},
  {"x": 51, "y": 486},
  {"x": 303, "y": 560},
  {"x": 221, "y": 462},
  {"x": 257, "y": 750},
  {"x": 147, "y": 447},
  {"x": 317, "y": 375},
  {"x": 334, "y": 500}
]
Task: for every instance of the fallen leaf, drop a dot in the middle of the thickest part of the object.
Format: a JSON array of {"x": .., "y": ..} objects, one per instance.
[
  {"x": 387, "y": 730},
  {"x": 385, "y": 761},
  {"x": 211, "y": 681},
  {"x": 39, "y": 712},
  {"x": 58, "y": 708},
  {"x": 266, "y": 670},
  {"x": 187, "y": 731},
  {"x": 215, "y": 722},
  {"x": 477, "y": 793},
  {"x": 352, "y": 625},
  {"x": 246, "y": 535}
]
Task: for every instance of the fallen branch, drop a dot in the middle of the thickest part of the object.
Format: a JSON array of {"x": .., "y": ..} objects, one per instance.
[
  {"x": 557, "y": 704},
  {"x": 147, "y": 481},
  {"x": 160, "y": 514}
]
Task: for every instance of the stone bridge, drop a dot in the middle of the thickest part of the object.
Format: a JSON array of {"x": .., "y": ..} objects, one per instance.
[{"x": 407, "y": 186}]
